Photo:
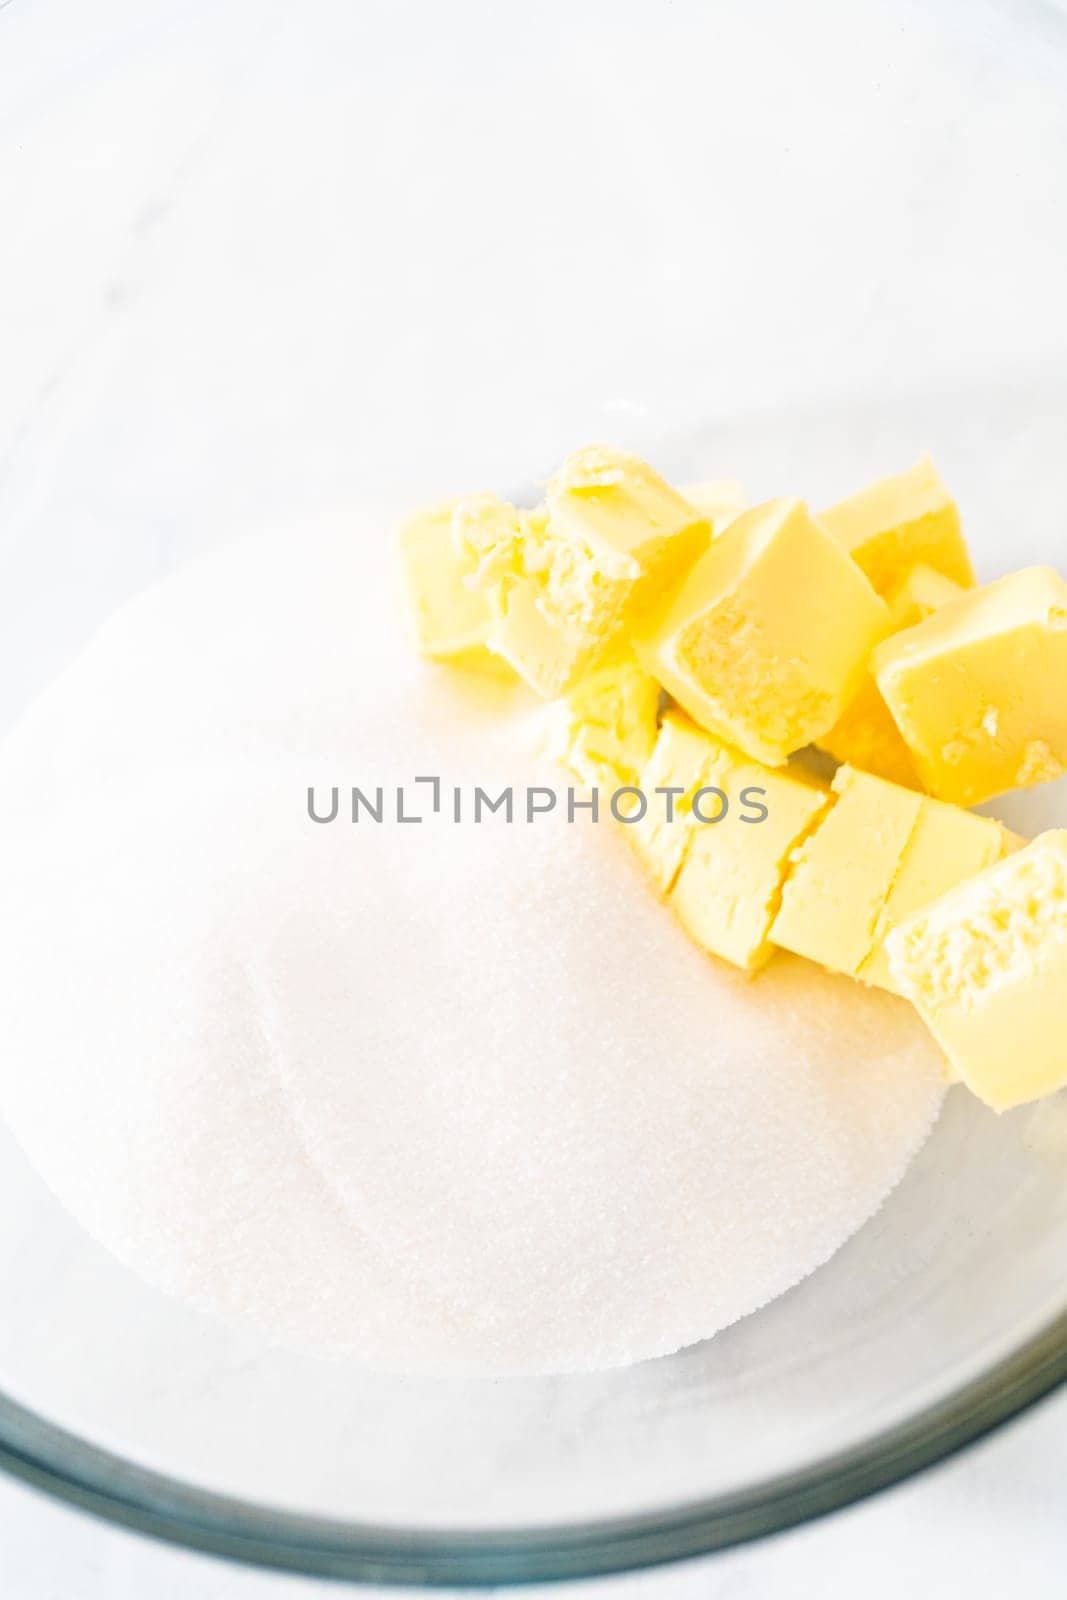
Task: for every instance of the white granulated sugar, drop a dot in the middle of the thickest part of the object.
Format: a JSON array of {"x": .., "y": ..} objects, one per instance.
[
  {"x": 450, "y": 1098},
  {"x": 280, "y": 646}
]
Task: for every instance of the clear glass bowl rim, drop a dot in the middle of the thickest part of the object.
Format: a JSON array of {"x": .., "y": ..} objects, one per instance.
[{"x": 72, "y": 1470}]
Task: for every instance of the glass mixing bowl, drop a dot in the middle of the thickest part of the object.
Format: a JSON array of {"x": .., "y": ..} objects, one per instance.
[{"x": 262, "y": 264}]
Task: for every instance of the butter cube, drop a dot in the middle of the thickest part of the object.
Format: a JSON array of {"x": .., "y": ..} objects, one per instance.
[
  {"x": 766, "y": 641},
  {"x": 684, "y": 760},
  {"x": 919, "y": 595},
  {"x": 986, "y": 967},
  {"x": 977, "y": 689},
  {"x": 727, "y": 890},
  {"x": 865, "y": 735},
  {"x": 605, "y": 729},
  {"x": 614, "y": 534},
  {"x": 718, "y": 499},
  {"x": 610, "y": 505},
  {"x": 842, "y": 874},
  {"x": 946, "y": 847},
  {"x": 450, "y": 622},
  {"x": 898, "y": 522}
]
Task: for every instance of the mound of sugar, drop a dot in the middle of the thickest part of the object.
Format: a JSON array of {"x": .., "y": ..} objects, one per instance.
[
  {"x": 284, "y": 645},
  {"x": 451, "y": 1098}
]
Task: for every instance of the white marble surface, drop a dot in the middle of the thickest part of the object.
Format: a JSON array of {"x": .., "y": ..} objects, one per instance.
[{"x": 991, "y": 1523}]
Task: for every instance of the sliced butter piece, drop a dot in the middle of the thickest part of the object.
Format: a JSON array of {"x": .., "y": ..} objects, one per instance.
[
  {"x": 977, "y": 688},
  {"x": 767, "y": 639},
  {"x": 947, "y": 846},
  {"x": 897, "y": 522},
  {"x": 682, "y": 761},
  {"x": 986, "y": 967},
  {"x": 842, "y": 874},
  {"x": 728, "y": 888}
]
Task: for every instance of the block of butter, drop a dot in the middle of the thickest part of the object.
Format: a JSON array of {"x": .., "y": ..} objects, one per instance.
[
  {"x": 449, "y": 620},
  {"x": 898, "y": 522},
  {"x": 767, "y": 639},
  {"x": 682, "y": 762},
  {"x": 612, "y": 537},
  {"x": 986, "y": 967},
  {"x": 605, "y": 729},
  {"x": 727, "y": 889},
  {"x": 865, "y": 735},
  {"x": 977, "y": 689}
]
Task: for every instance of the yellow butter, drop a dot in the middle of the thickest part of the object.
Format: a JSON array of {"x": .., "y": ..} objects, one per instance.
[
  {"x": 766, "y": 641},
  {"x": 613, "y": 535},
  {"x": 727, "y": 890},
  {"x": 977, "y": 689},
  {"x": 682, "y": 761},
  {"x": 922, "y": 592},
  {"x": 947, "y": 846},
  {"x": 718, "y": 499},
  {"x": 898, "y": 522},
  {"x": 865, "y": 735},
  {"x": 986, "y": 967},
  {"x": 501, "y": 546},
  {"x": 605, "y": 729},
  {"x": 488, "y": 533},
  {"x": 842, "y": 874},
  {"x": 450, "y": 620}
]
